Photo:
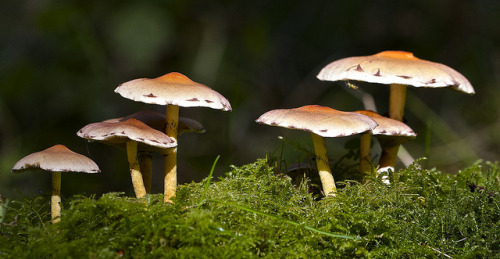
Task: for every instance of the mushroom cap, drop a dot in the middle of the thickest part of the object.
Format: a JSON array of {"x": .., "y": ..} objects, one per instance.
[
  {"x": 56, "y": 159},
  {"x": 388, "y": 126},
  {"x": 158, "y": 121},
  {"x": 173, "y": 89},
  {"x": 396, "y": 67},
  {"x": 323, "y": 121},
  {"x": 119, "y": 133}
]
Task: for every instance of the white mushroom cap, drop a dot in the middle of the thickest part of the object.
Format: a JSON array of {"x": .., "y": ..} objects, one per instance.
[
  {"x": 157, "y": 121},
  {"x": 388, "y": 126},
  {"x": 396, "y": 67},
  {"x": 173, "y": 89},
  {"x": 148, "y": 139},
  {"x": 323, "y": 121},
  {"x": 56, "y": 159}
]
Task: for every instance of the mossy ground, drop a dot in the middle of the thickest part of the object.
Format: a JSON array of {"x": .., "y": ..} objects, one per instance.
[{"x": 253, "y": 211}]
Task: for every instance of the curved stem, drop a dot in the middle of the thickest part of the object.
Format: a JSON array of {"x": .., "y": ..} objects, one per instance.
[
  {"x": 135, "y": 170},
  {"x": 325, "y": 173},
  {"x": 55, "y": 200},
  {"x": 145, "y": 163},
  {"x": 170, "y": 175}
]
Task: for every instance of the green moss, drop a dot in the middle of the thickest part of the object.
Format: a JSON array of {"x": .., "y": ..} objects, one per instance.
[{"x": 255, "y": 212}]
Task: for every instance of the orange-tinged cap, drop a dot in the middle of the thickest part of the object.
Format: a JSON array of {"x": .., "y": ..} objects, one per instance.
[
  {"x": 57, "y": 158},
  {"x": 395, "y": 67},
  {"x": 323, "y": 121},
  {"x": 388, "y": 126},
  {"x": 173, "y": 89},
  {"x": 158, "y": 121},
  {"x": 119, "y": 133}
]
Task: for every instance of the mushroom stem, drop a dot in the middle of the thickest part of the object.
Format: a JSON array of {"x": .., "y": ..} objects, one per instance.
[
  {"x": 397, "y": 100},
  {"x": 388, "y": 156},
  {"x": 325, "y": 173},
  {"x": 55, "y": 201},
  {"x": 135, "y": 170},
  {"x": 145, "y": 163},
  {"x": 170, "y": 176},
  {"x": 364, "y": 151}
]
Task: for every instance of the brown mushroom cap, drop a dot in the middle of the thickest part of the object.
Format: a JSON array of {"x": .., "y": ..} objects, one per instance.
[
  {"x": 157, "y": 121},
  {"x": 173, "y": 89},
  {"x": 56, "y": 159},
  {"x": 323, "y": 121},
  {"x": 388, "y": 126},
  {"x": 395, "y": 67},
  {"x": 148, "y": 139}
]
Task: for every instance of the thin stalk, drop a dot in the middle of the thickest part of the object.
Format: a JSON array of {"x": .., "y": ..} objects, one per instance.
[
  {"x": 364, "y": 151},
  {"x": 397, "y": 101},
  {"x": 55, "y": 200},
  {"x": 135, "y": 170},
  {"x": 170, "y": 175},
  {"x": 325, "y": 173},
  {"x": 146, "y": 165}
]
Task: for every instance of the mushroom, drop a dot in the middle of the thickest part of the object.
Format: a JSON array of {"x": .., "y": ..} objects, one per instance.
[
  {"x": 173, "y": 90},
  {"x": 390, "y": 134},
  {"x": 321, "y": 122},
  {"x": 56, "y": 159},
  {"x": 135, "y": 135},
  {"x": 157, "y": 121},
  {"x": 399, "y": 69}
]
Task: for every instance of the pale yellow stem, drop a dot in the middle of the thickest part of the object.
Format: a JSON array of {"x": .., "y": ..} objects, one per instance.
[
  {"x": 146, "y": 165},
  {"x": 397, "y": 101},
  {"x": 135, "y": 170},
  {"x": 325, "y": 173},
  {"x": 55, "y": 201},
  {"x": 365, "y": 163},
  {"x": 170, "y": 176}
]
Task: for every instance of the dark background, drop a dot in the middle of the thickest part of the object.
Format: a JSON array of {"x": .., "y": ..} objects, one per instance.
[{"x": 61, "y": 60}]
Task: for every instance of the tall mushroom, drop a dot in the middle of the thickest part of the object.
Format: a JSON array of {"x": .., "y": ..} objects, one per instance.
[
  {"x": 321, "y": 122},
  {"x": 390, "y": 133},
  {"x": 398, "y": 69},
  {"x": 173, "y": 90},
  {"x": 135, "y": 135},
  {"x": 157, "y": 121},
  {"x": 56, "y": 159}
]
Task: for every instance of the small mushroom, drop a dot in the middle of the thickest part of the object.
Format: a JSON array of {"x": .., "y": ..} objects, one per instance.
[
  {"x": 56, "y": 159},
  {"x": 157, "y": 121},
  {"x": 390, "y": 134},
  {"x": 135, "y": 135},
  {"x": 173, "y": 90},
  {"x": 321, "y": 122}
]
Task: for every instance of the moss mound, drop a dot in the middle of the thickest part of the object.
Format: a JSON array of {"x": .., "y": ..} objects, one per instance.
[{"x": 254, "y": 212}]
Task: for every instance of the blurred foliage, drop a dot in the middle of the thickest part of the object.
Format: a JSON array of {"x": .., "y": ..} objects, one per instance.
[
  {"x": 61, "y": 60},
  {"x": 253, "y": 211}
]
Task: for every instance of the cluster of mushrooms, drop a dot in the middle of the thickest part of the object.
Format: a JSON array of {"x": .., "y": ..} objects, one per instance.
[
  {"x": 398, "y": 69},
  {"x": 140, "y": 134},
  {"x": 145, "y": 132}
]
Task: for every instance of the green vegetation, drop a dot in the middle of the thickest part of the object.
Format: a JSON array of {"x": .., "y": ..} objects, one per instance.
[{"x": 256, "y": 211}]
